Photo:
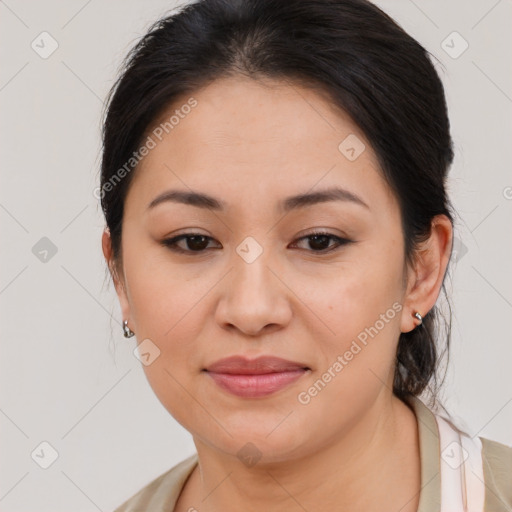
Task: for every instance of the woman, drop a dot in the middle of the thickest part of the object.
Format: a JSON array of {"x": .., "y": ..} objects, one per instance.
[{"x": 278, "y": 233}]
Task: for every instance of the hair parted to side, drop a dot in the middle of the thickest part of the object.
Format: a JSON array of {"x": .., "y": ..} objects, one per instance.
[{"x": 350, "y": 50}]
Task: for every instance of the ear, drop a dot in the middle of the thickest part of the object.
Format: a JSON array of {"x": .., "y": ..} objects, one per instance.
[
  {"x": 426, "y": 278},
  {"x": 119, "y": 283}
]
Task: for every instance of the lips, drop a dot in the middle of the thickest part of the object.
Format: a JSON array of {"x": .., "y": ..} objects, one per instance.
[
  {"x": 257, "y": 377},
  {"x": 240, "y": 365}
]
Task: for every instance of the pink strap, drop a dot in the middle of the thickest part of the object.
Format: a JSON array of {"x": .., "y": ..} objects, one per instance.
[{"x": 462, "y": 479}]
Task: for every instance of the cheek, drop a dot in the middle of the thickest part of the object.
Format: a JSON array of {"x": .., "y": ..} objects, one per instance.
[
  {"x": 358, "y": 296},
  {"x": 362, "y": 308},
  {"x": 358, "y": 359},
  {"x": 170, "y": 313},
  {"x": 162, "y": 296},
  {"x": 166, "y": 310}
]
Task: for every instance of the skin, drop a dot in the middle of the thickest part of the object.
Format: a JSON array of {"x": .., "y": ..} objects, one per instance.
[{"x": 354, "y": 446}]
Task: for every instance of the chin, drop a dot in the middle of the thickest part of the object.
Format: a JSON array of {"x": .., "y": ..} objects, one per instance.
[{"x": 266, "y": 439}]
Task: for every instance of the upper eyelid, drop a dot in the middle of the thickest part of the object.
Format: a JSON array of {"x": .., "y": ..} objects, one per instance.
[
  {"x": 307, "y": 235},
  {"x": 341, "y": 240}
]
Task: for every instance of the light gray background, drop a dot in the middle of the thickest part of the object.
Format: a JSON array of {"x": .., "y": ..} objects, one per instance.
[{"x": 68, "y": 376}]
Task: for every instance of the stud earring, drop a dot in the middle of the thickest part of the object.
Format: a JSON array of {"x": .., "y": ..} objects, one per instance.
[
  {"x": 419, "y": 317},
  {"x": 128, "y": 333}
]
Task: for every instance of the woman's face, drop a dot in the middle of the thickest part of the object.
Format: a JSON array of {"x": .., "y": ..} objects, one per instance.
[{"x": 256, "y": 285}]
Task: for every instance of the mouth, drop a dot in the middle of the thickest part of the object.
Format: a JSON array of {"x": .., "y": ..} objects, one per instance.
[{"x": 255, "y": 378}]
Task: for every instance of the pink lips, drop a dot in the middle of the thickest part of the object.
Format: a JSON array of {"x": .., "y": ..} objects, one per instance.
[{"x": 257, "y": 377}]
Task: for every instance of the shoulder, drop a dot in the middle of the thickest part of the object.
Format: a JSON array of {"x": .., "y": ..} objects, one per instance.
[
  {"x": 497, "y": 465},
  {"x": 161, "y": 494}
]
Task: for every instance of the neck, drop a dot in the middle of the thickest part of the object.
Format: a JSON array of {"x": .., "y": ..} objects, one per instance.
[{"x": 372, "y": 466}]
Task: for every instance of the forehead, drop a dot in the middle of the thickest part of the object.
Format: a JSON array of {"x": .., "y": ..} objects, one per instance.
[{"x": 249, "y": 139}]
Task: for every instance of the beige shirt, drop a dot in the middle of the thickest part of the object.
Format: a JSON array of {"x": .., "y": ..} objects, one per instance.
[{"x": 161, "y": 494}]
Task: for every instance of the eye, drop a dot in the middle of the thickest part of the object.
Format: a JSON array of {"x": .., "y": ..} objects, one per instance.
[
  {"x": 320, "y": 241},
  {"x": 194, "y": 242}
]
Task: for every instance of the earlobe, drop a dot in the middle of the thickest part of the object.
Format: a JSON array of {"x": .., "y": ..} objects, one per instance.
[{"x": 431, "y": 261}]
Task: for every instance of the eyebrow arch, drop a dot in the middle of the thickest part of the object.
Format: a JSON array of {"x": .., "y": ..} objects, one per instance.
[
  {"x": 201, "y": 200},
  {"x": 322, "y": 196},
  {"x": 190, "y": 198}
]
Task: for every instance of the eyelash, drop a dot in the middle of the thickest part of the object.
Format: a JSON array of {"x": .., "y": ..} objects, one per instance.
[{"x": 171, "y": 243}]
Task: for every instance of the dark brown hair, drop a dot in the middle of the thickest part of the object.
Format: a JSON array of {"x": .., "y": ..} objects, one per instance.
[{"x": 351, "y": 50}]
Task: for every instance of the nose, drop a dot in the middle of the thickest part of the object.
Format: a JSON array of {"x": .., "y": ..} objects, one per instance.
[{"x": 254, "y": 299}]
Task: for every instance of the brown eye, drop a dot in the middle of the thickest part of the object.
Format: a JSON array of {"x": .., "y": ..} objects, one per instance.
[
  {"x": 321, "y": 242},
  {"x": 193, "y": 242}
]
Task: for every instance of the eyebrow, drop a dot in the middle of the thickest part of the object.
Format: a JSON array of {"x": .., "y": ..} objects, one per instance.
[{"x": 201, "y": 200}]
